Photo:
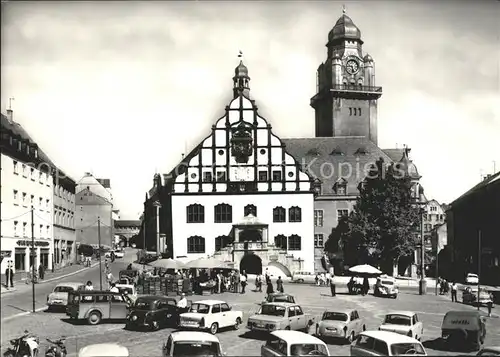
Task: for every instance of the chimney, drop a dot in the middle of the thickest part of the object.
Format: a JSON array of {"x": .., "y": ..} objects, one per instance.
[{"x": 10, "y": 115}]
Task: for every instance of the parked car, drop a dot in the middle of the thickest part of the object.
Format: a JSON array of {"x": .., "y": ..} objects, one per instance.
[
  {"x": 386, "y": 287},
  {"x": 118, "y": 253},
  {"x": 383, "y": 343},
  {"x": 193, "y": 343},
  {"x": 280, "y": 316},
  {"x": 469, "y": 296},
  {"x": 211, "y": 315},
  {"x": 95, "y": 306},
  {"x": 472, "y": 279},
  {"x": 461, "y": 329},
  {"x": 279, "y": 297},
  {"x": 293, "y": 343},
  {"x": 153, "y": 312},
  {"x": 345, "y": 324},
  {"x": 303, "y": 277},
  {"x": 404, "y": 323},
  {"x": 489, "y": 351},
  {"x": 58, "y": 298},
  {"x": 104, "y": 350},
  {"x": 129, "y": 289}
]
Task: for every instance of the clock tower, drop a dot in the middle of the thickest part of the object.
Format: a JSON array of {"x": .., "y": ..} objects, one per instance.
[{"x": 346, "y": 100}]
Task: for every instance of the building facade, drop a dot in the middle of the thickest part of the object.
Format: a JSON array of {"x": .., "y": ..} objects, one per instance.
[
  {"x": 27, "y": 183},
  {"x": 434, "y": 217},
  {"x": 64, "y": 221}
]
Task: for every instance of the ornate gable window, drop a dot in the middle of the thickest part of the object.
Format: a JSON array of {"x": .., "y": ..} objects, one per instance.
[
  {"x": 195, "y": 213},
  {"x": 295, "y": 214},
  {"x": 337, "y": 152},
  {"x": 250, "y": 209},
  {"x": 223, "y": 213},
  {"x": 280, "y": 241},
  {"x": 241, "y": 143},
  {"x": 196, "y": 244},
  {"x": 340, "y": 187},
  {"x": 222, "y": 242},
  {"x": 361, "y": 151},
  {"x": 294, "y": 242},
  {"x": 279, "y": 214}
]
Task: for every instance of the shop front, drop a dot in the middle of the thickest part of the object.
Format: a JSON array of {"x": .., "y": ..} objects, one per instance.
[{"x": 23, "y": 260}]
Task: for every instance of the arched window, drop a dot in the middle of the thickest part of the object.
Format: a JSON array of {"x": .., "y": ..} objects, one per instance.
[
  {"x": 222, "y": 242},
  {"x": 250, "y": 209},
  {"x": 295, "y": 214},
  {"x": 280, "y": 241},
  {"x": 196, "y": 244},
  {"x": 279, "y": 214},
  {"x": 195, "y": 213},
  {"x": 294, "y": 242},
  {"x": 223, "y": 213}
]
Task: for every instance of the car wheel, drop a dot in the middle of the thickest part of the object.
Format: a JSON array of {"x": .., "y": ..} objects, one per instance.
[
  {"x": 237, "y": 324},
  {"x": 214, "y": 328},
  {"x": 300, "y": 281},
  {"x": 94, "y": 318}
]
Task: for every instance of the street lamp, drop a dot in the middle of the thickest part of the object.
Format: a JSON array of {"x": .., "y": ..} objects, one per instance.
[{"x": 157, "y": 204}]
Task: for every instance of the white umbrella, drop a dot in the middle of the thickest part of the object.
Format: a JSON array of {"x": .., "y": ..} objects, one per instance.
[
  {"x": 207, "y": 263},
  {"x": 167, "y": 264},
  {"x": 364, "y": 269}
]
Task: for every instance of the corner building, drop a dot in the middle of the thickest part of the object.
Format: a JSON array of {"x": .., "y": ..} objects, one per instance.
[{"x": 240, "y": 195}]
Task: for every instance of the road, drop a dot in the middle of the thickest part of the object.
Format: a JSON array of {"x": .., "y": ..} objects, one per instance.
[{"x": 430, "y": 308}]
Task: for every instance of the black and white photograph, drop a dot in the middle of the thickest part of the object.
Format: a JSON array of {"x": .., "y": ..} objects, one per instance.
[{"x": 250, "y": 178}]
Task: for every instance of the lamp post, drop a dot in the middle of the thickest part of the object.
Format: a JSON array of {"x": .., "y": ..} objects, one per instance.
[
  {"x": 157, "y": 204},
  {"x": 422, "y": 286}
]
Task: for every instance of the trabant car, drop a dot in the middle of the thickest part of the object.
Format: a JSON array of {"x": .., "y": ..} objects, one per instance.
[
  {"x": 153, "y": 312},
  {"x": 472, "y": 279},
  {"x": 293, "y": 343},
  {"x": 280, "y": 316},
  {"x": 195, "y": 343},
  {"x": 345, "y": 324},
  {"x": 489, "y": 351},
  {"x": 462, "y": 328},
  {"x": 95, "y": 306},
  {"x": 404, "y": 323},
  {"x": 469, "y": 296},
  {"x": 386, "y": 287},
  {"x": 104, "y": 350},
  {"x": 280, "y": 297},
  {"x": 383, "y": 343},
  {"x": 303, "y": 277},
  {"x": 211, "y": 315},
  {"x": 58, "y": 298}
]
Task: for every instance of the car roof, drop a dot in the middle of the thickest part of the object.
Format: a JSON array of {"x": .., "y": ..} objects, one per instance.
[
  {"x": 390, "y": 337},
  {"x": 472, "y": 274},
  {"x": 462, "y": 313},
  {"x": 97, "y": 292},
  {"x": 279, "y": 303},
  {"x": 70, "y": 284},
  {"x": 341, "y": 311},
  {"x": 104, "y": 350},
  {"x": 210, "y": 302},
  {"x": 193, "y": 336},
  {"x": 296, "y": 336},
  {"x": 404, "y": 313}
]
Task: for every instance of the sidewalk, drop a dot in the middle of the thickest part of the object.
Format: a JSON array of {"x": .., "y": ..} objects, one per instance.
[{"x": 20, "y": 278}]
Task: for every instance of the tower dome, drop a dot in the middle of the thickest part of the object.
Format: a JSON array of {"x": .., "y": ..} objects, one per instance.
[
  {"x": 344, "y": 29},
  {"x": 241, "y": 81},
  {"x": 241, "y": 70}
]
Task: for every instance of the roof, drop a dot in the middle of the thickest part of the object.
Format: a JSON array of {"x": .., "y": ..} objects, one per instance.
[
  {"x": 210, "y": 302},
  {"x": 296, "y": 336},
  {"x": 479, "y": 187},
  {"x": 403, "y": 313},
  {"x": 249, "y": 220},
  {"x": 390, "y": 337},
  {"x": 463, "y": 313},
  {"x": 70, "y": 284},
  {"x": 344, "y": 28},
  {"x": 320, "y": 155},
  {"x": 104, "y": 350},
  {"x": 127, "y": 223},
  {"x": 193, "y": 336},
  {"x": 394, "y": 154}
]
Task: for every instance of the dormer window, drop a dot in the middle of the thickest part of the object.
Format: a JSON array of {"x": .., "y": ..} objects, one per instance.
[
  {"x": 337, "y": 152},
  {"x": 317, "y": 186},
  {"x": 361, "y": 151},
  {"x": 340, "y": 187},
  {"x": 313, "y": 152}
]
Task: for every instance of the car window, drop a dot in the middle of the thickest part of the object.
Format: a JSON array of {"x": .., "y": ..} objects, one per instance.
[
  {"x": 272, "y": 310},
  {"x": 356, "y": 314},
  {"x": 171, "y": 302},
  {"x": 225, "y": 307},
  {"x": 273, "y": 343},
  {"x": 334, "y": 316},
  {"x": 282, "y": 347},
  {"x": 380, "y": 347},
  {"x": 399, "y": 349},
  {"x": 398, "y": 320},
  {"x": 298, "y": 311},
  {"x": 116, "y": 298},
  {"x": 63, "y": 289},
  {"x": 87, "y": 299},
  {"x": 216, "y": 309},
  {"x": 291, "y": 311},
  {"x": 200, "y": 308},
  {"x": 415, "y": 319},
  {"x": 308, "y": 349},
  {"x": 102, "y": 298},
  {"x": 196, "y": 348},
  {"x": 161, "y": 304},
  {"x": 353, "y": 316},
  {"x": 365, "y": 342}
]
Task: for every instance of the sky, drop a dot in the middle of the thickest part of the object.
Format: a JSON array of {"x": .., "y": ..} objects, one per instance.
[{"x": 122, "y": 89}]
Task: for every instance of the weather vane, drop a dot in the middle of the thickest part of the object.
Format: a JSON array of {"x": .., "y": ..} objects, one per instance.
[
  {"x": 240, "y": 54},
  {"x": 343, "y": 9}
]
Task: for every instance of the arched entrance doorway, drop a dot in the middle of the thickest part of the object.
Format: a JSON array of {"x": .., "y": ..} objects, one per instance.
[{"x": 251, "y": 264}]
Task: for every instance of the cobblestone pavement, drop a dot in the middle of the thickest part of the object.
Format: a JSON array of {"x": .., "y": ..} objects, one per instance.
[{"x": 314, "y": 300}]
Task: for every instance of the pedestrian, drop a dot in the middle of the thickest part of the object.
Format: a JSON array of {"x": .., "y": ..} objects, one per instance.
[
  {"x": 489, "y": 304},
  {"x": 110, "y": 278},
  {"x": 366, "y": 286},
  {"x": 41, "y": 271},
  {"x": 454, "y": 289},
  {"x": 243, "y": 281},
  {"x": 279, "y": 285},
  {"x": 129, "y": 267},
  {"x": 113, "y": 288},
  {"x": 9, "y": 275},
  {"x": 269, "y": 283},
  {"x": 332, "y": 286},
  {"x": 89, "y": 286},
  {"x": 316, "y": 279}
]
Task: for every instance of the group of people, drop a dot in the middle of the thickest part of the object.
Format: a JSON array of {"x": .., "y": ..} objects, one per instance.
[{"x": 355, "y": 286}]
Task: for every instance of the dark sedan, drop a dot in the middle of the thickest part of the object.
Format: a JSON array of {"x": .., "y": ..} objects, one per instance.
[{"x": 153, "y": 312}]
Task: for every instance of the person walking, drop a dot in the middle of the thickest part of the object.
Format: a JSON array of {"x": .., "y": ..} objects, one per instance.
[
  {"x": 9, "y": 275},
  {"x": 41, "y": 271},
  {"x": 454, "y": 289},
  {"x": 243, "y": 281},
  {"x": 332, "y": 286},
  {"x": 366, "y": 286},
  {"x": 489, "y": 304},
  {"x": 279, "y": 285},
  {"x": 269, "y": 283}
]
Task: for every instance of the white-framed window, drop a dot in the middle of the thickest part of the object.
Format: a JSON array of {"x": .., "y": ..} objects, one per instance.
[
  {"x": 32, "y": 200},
  {"x": 318, "y": 218},
  {"x": 16, "y": 197},
  {"x": 24, "y": 198},
  {"x": 32, "y": 174},
  {"x": 63, "y": 221},
  {"x": 24, "y": 170},
  {"x": 40, "y": 202},
  {"x": 47, "y": 203},
  {"x": 24, "y": 229},
  {"x": 16, "y": 233},
  {"x": 16, "y": 167},
  {"x": 342, "y": 213},
  {"x": 41, "y": 230},
  {"x": 48, "y": 232},
  {"x": 40, "y": 176},
  {"x": 319, "y": 240}
]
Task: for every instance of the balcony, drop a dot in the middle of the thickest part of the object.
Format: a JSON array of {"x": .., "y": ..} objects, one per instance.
[
  {"x": 241, "y": 246},
  {"x": 349, "y": 91}
]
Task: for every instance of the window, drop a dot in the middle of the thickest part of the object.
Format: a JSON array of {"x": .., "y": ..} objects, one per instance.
[
  {"x": 24, "y": 229},
  {"x": 221, "y": 176},
  {"x": 225, "y": 307},
  {"x": 40, "y": 202},
  {"x": 32, "y": 174},
  {"x": 250, "y": 210},
  {"x": 32, "y": 200},
  {"x": 380, "y": 347},
  {"x": 223, "y": 213},
  {"x": 16, "y": 167},
  {"x": 279, "y": 214},
  {"x": 222, "y": 242},
  {"x": 216, "y": 309},
  {"x": 48, "y": 232},
  {"x": 280, "y": 241},
  {"x": 41, "y": 230},
  {"x": 318, "y": 218},
  {"x": 318, "y": 240},
  {"x": 276, "y": 175},
  {"x": 16, "y": 197},
  {"x": 342, "y": 213},
  {"x": 47, "y": 203},
  {"x": 195, "y": 213},
  {"x": 359, "y": 111},
  {"x": 196, "y": 244},
  {"x": 365, "y": 342},
  {"x": 262, "y": 175},
  {"x": 291, "y": 311},
  {"x": 24, "y": 170},
  {"x": 294, "y": 214},
  {"x": 40, "y": 176},
  {"x": 294, "y": 242},
  {"x": 433, "y": 208},
  {"x": 440, "y": 217},
  {"x": 24, "y": 198},
  {"x": 15, "y": 228},
  {"x": 341, "y": 190},
  {"x": 207, "y": 177}
]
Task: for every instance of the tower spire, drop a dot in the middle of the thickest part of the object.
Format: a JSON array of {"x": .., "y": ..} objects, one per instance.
[{"x": 241, "y": 79}]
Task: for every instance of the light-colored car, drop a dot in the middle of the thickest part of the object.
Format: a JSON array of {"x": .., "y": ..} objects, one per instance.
[
  {"x": 472, "y": 279},
  {"x": 118, "y": 254},
  {"x": 280, "y": 297},
  {"x": 383, "y": 343},
  {"x": 489, "y": 351},
  {"x": 404, "y": 323},
  {"x": 280, "y": 316},
  {"x": 58, "y": 298},
  {"x": 130, "y": 289},
  {"x": 469, "y": 296},
  {"x": 293, "y": 343},
  {"x": 192, "y": 343},
  {"x": 104, "y": 350},
  {"x": 303, "y": 277},
  {"x": 344, "y": 324},
  {"x": 211, "y": 315},
  {"x": 386, "y": 287}
]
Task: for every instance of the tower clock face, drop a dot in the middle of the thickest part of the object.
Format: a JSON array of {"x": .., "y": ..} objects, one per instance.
[{"x": 352, "y": 66}]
